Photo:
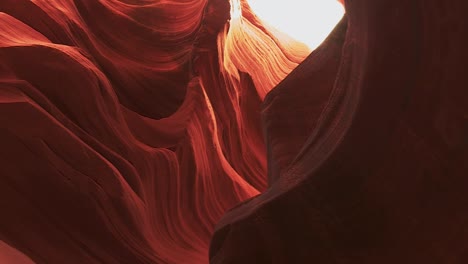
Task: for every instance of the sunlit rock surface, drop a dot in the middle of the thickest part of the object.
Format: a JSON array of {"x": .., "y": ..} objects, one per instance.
[{"x": 191, "y": 132}]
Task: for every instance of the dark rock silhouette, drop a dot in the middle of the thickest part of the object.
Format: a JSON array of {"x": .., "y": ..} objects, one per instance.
[{"x": 146, "y": 132}]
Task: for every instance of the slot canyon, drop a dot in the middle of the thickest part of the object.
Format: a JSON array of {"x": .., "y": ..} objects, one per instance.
[{"x": 233, "y": 132}]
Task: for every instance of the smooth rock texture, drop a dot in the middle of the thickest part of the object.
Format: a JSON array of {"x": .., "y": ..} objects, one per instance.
[
  {"x": 368, "y": 146},
  {"x": 184, "y": 132}
]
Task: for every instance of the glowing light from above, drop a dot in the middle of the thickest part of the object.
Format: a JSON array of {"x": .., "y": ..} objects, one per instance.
[
  {"x": 308, "y": 21},
  {"x": 235, "y": 9}
]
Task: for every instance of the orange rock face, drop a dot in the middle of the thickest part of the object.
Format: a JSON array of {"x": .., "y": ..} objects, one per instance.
[{"x": 175, "y": 132}]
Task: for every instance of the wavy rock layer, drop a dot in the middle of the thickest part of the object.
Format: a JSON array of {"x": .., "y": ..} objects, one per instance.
[
  {"x": 126, "y": 132},
  {"x": 129, "y": 128},
  {"x": 119, "y": 134},
  {"x": 367, "y": 146}
]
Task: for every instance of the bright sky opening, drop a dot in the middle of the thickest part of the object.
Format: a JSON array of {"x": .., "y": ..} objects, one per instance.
[{"x": 308, "y": 21}]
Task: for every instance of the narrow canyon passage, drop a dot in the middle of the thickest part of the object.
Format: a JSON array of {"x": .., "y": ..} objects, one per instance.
[{"x": 233, "y": 131}]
